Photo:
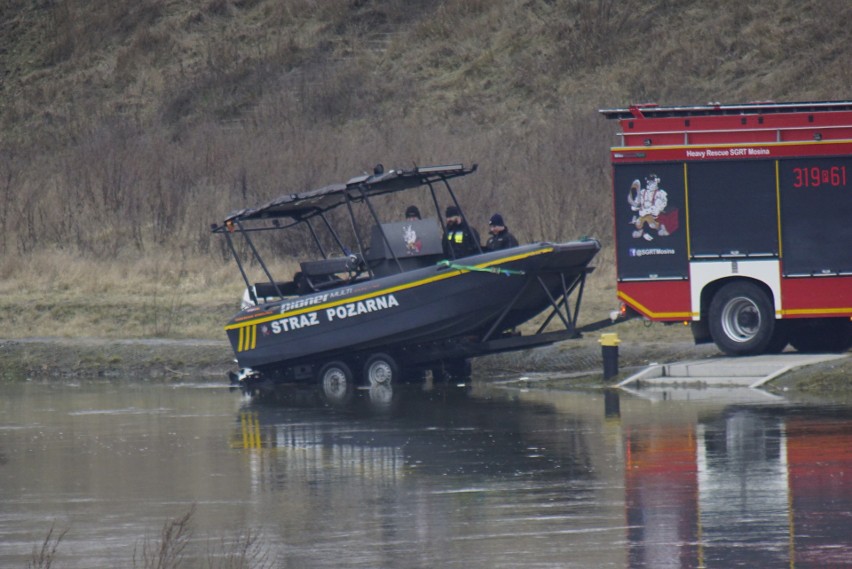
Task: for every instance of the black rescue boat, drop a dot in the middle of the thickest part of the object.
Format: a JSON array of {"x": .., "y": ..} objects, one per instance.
[{"x": 393, "y": 305}]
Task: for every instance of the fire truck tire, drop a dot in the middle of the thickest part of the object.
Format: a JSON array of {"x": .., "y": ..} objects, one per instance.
[
  {"x": 780, "y": 338},
  {"x": 381, "y": 369},
  {"x": 336, "y": 382},
  {"x": 821, "y": 335},
  {"x": 742, "y": 319}
]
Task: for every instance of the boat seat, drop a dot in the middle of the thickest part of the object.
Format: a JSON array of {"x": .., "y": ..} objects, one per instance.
[
  {"x": 325, "y": 267},
  {"x": 264, "y": 292},
  {"x": 267, "y": 289}
]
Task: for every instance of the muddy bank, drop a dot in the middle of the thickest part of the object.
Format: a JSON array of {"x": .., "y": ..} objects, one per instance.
[
  {"x": 211, "y": 359},
  {"x": 832, "y": 378},
  {"x": 577, "y": 362},
  {"x": 152, "y": 359}
]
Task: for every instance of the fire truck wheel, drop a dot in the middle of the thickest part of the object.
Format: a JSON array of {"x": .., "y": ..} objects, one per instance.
[
  {"x": 742, "y": 319},
  {"x": 381, "y": 369},
  {"x": 336, "y": 382},
  {"x": 780, "y": 338},
  {"x": 822, "y": 335}
]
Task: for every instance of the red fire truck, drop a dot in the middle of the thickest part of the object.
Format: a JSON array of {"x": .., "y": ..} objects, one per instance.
[{"x": 738, "y": 220}]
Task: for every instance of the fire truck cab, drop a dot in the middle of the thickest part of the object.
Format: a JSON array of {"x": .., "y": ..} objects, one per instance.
[{"x": 738, "y": 220}]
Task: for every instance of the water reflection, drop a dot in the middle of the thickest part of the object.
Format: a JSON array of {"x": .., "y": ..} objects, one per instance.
[
  {"x": 452, "y": 429},
  {"x": 475, "y": 476},
  {"x": 724, "y": 484},
  {"x": 819, "y": 469},
  {"x": 712, "y": 484},
  {"x": 457, "y": 475},
  {"x": 742, "y": 483}
]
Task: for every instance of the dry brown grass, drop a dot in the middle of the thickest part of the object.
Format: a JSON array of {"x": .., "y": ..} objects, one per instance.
[{"x": 53, "y": 293}]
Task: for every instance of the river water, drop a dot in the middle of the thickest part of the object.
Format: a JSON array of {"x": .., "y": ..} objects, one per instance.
[{"x": 477, "y": 476}]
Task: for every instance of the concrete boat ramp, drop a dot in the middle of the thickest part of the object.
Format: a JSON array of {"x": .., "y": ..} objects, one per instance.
[{"x": 724, "y": 372}]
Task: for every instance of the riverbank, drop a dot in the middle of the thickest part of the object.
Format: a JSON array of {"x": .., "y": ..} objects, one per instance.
[
  {"x": 568, "y": 365},
  {"x": 202, "y": 359},
  {"x": 45, "y": 359}
]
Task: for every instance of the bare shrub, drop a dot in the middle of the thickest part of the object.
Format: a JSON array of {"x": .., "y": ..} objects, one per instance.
[
  {"x": 8, "y": 182},
  {"x": 43, "y": 557},
  {"x": 246, "y": 551},
  {"x": 170, "y": 550},
  {"x": 167, "y": 552}
]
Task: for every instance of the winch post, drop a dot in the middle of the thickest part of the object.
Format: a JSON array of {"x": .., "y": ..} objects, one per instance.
[{"x": 609, "y": 352}]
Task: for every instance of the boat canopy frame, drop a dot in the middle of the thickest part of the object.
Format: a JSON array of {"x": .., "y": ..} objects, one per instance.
[{"x": 305, "y": 207}]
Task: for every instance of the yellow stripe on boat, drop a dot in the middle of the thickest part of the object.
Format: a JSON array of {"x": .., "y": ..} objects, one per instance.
[{"x": 247, "y": 339}]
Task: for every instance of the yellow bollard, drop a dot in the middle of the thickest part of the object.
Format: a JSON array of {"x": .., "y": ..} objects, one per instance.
[{"x": 609, "y": 352}]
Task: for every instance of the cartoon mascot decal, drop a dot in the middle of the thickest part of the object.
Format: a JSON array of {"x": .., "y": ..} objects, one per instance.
[
  {"x": 413, "y": 245},
  {"x": 649, "y": 204}
]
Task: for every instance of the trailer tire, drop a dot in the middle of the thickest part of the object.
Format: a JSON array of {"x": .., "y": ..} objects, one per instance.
[
  {"x": 336, "y": 381},
  {"x": 381, "y": 369},
  {"x": 822, "y": 335},
  {"x": 742, "y": 319}
]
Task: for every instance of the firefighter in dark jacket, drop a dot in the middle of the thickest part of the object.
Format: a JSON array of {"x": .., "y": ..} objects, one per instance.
[
  {"x": 460, "y": 240},
  {"x": 500, "y": 237}
]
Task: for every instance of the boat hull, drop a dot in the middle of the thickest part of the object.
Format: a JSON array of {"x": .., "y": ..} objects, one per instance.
[{"x": 396, "y": 312}]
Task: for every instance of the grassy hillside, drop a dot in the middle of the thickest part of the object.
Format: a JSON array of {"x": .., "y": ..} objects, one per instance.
[
  {"x": 128, "y": 127},
  {"x": 70, "y": 64}
]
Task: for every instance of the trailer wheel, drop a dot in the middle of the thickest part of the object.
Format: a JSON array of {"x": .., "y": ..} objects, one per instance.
[
  {"x": 336, "y": 381},
  {"x": 381, "y": 369},
  {"x": 742, "y": 319},
  {"x": 821, "y": 335}
]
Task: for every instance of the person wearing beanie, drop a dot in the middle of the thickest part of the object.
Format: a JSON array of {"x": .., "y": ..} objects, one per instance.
[
  {"x": 460, "y": 240},
  {"x": 500, "y": 237},
  {"x": 412, "y": 213}
]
